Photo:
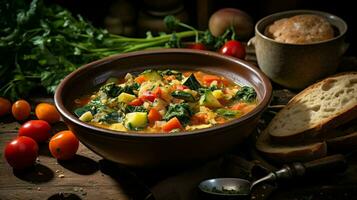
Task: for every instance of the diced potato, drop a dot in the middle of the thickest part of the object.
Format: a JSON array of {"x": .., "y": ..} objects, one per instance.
[
  {"x": 126, "y": 98},
  {"x": 117, "y": 127},
  {"x": 86, "y": 117},
  {"x": 195, "y": 127},
  {"x": 218, "y": 94}
]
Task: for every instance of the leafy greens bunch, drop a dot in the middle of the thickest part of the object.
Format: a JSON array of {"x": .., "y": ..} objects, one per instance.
[{"x": 41, "y": 44}]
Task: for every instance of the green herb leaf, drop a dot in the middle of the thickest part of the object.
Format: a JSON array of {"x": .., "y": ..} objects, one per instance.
[{"x": 246, "y": 94}]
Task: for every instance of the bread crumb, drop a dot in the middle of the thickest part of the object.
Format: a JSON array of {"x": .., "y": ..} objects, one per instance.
[{"x": 61, "y": 176}]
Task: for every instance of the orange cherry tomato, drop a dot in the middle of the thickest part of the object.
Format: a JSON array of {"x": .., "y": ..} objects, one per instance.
[
  {"x": 47, "y": 112},
  {"x": 63, "y": 145},
  {"x": 21, "y": 110},
  {"x": 5, "y": 106}
]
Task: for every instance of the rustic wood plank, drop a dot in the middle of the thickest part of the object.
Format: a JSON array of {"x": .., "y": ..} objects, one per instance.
[{"x": 80, "y": 176}]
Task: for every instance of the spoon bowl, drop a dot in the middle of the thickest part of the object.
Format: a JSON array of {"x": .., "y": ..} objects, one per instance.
[{"x": 226, "y": 186}]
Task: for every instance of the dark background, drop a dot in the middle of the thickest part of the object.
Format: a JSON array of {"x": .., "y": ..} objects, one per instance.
[{"x": 199, "y": 10}]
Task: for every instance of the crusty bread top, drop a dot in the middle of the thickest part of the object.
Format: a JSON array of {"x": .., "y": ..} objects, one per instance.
[
  {"x": 300, "y": 29},
  {"x": 325, "y": 104}
]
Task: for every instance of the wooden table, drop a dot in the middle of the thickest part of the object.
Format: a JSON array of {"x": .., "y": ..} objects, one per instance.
[{"x": 80, "y": 176}]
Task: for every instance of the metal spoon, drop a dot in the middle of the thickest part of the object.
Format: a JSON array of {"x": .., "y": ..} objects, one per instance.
[{"x": 242, "y": 187}]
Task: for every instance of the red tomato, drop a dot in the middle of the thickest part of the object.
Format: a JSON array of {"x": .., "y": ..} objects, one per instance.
[
  {"x": 197, "y": 45},
  {"x": 39, "y": 130},
  {"x": 63, "y": 145},
  {"x": 136, "y": 102},
  {"x": 21, "y": 152},
  {"x": 233, "y": 48},
  {"x": 148, "y": 96}
]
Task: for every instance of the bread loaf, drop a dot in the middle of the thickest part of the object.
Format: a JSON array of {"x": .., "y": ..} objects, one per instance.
[{"x": 300, "y": 29}]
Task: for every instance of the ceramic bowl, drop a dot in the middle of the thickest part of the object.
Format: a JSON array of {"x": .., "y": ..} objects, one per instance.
[{"x": 149, "y": 150}]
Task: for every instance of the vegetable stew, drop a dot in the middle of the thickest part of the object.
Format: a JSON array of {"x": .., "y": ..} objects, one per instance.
[{"x": 165, "y": 101}]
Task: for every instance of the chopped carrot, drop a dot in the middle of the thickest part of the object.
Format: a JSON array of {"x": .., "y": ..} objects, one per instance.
[
  {"x": 220, "y": 120},
  {"x": 248, "y": 108},
  {"x": 199, "y": 118},
  {"x": 157, "y": 92},
  {"x": 172, "y": 124},
  {"x": 136, "y": 102},
  {"x": 170, "y": 78},
  {"x": 239, "y": 106},
  {"x": 140, "y": 79},
  {"x": 208, "y": 79},
  {"x": 154, "y": 115},
  {"x": 186, "y": 74}
]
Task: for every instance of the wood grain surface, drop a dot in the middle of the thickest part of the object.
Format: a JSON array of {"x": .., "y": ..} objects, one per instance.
[{"x": 80, "y": 176}]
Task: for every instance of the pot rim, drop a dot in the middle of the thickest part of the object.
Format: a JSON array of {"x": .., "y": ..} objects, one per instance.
[
  {"x": 320, "y": 13},
  {"x": 265, "y": 99}
]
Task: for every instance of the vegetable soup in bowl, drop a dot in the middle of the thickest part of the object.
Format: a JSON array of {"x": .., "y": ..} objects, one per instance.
[
  {"x": 163, "y": 107},
  {"x": 165, "y": 101}
]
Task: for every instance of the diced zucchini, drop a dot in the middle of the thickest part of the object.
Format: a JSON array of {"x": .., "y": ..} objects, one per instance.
[
  {"x": 207, "y": 99},
  {"x": 86, "y": 117},
  {"x": 117, "y": 127},
  {"x": 227, "y": 113},
  {"x": 151, "y": 75},
  {"x": 192, "y": 82},
  {"x": 136, "y": 120},
  {"x": 183, "y": 95},
  {"x": 126, "y": 98},
  {"x": 218, "y": 94},
  {"x": 80, "y": 111}
]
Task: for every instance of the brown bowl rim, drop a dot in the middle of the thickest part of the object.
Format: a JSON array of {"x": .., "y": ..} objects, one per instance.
[
  {"x": 266, "y": 98},
  {"x": 320, "y": 13}
]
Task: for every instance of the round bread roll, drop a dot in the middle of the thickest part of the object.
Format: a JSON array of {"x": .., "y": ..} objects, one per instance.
[{"x": 300, "y": 29}]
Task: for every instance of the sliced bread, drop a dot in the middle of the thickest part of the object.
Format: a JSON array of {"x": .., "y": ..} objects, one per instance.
[
  {"x": 310, "y": 114},
  {"x": 287, "y": 154}
]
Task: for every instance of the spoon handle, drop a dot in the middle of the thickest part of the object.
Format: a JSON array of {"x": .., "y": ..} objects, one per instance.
[{"x": 335, "y": 163}]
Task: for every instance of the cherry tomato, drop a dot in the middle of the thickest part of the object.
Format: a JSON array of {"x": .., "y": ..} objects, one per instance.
[
  {"x": 136, "y": 102},
  {"x": 39, "y": 130},
  {"x": 196, "y": 45},
  {"x": 5, "y": 106},
  {"x": 233, "y": 48},
  {"x": 21, "y": 110},
  {"x": 47, "y": 112},
  {"x": 63, "y": 145},
  {"x": 21, "y": 152},
  {"x": 148, "y": 96}
]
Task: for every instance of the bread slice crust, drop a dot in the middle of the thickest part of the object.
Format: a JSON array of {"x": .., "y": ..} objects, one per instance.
[{"x": 281, "y": 154}]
